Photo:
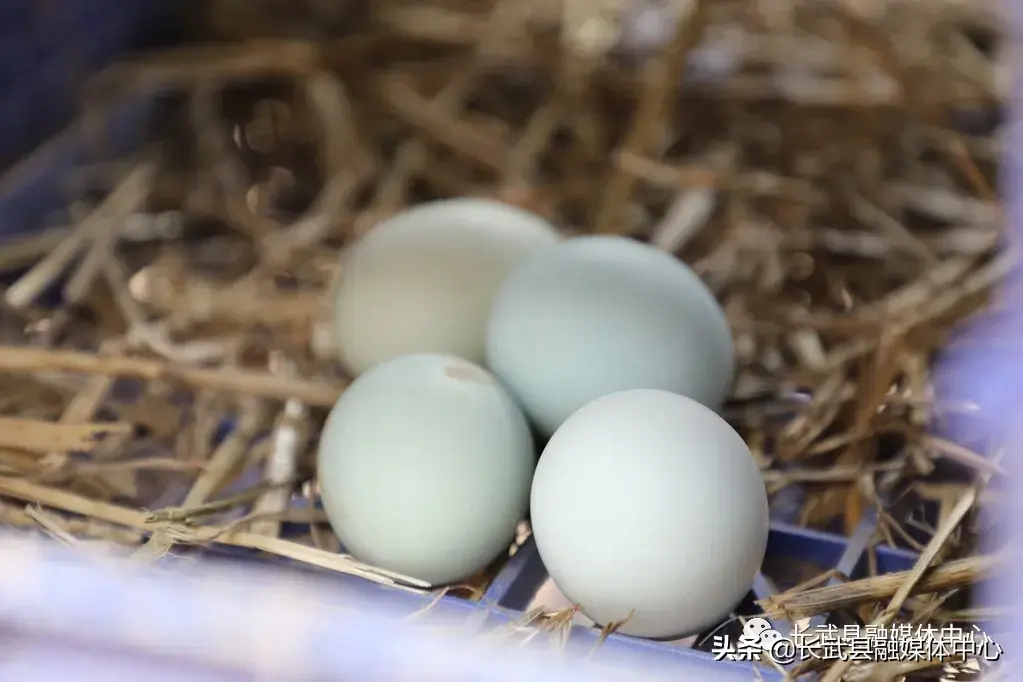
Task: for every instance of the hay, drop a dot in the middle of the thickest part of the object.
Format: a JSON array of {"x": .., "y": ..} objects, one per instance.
[{"x": 828, "y": 169}]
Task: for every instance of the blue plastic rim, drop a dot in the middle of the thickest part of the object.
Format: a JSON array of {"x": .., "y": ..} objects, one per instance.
[
  {"x": 510, "y": 593},
  {"x": 33, "y": 194}
]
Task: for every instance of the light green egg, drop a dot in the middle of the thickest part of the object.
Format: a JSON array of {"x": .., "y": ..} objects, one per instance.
[
  {"x": 596, "y": 315},
  {"x": 425, "y": 464},
  {"x": 422, "y": 281}
]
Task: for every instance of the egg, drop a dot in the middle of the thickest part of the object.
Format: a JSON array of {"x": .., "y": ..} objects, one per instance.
[
  {"x": 422, "y": 281},
  {"x": 648, "y": 503},
  {"x": 595, "y": 315},
  {"x": 424, "y": 467}
]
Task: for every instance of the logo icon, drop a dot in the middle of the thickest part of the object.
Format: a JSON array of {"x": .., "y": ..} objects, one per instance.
[
  {"x": 754, "y": 631},
  {"x": 758, "y": 638}
]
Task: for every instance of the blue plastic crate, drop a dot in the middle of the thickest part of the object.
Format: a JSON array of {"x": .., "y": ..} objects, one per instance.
[
  {"x": 129, "y": 621},
  {"x": 36, "y": 189},
  {"x": 508, "y": 596},
  {"x": 46, "y": 50}
]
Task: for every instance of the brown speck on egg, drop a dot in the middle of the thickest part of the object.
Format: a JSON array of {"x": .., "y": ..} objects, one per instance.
[{"x": 467, "y": 372}]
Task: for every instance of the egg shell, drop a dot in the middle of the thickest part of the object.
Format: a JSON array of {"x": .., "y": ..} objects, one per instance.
[
  {"x": 422, "y": 281},
  {"x": 648, "y": 502},
  {"x": 595, "y": 315},
  {"x": 424, "y": 465}
]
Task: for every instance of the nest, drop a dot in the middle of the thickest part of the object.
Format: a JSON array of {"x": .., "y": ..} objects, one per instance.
[{"x": 829, "y": 170}]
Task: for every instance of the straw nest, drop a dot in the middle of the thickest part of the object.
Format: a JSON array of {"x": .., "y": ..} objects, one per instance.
[{"x": 828, "y": 168}]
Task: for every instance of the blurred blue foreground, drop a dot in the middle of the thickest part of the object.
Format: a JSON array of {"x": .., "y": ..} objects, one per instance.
[{"x": 68, "y": 615}]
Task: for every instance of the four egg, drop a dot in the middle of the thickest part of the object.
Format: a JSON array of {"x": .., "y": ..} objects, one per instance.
[{"x": 646, "y": 506}]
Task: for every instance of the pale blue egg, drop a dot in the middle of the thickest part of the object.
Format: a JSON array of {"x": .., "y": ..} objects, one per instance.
[
  {"x": 422, "y": 280},
  {"x": 424, "y": 466},
  {"x": 683, "y": 517},
  {"x": 596, "y": 315}
]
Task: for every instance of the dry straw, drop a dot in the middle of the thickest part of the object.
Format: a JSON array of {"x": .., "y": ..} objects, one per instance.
[{"x": 833, "y": 183}]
